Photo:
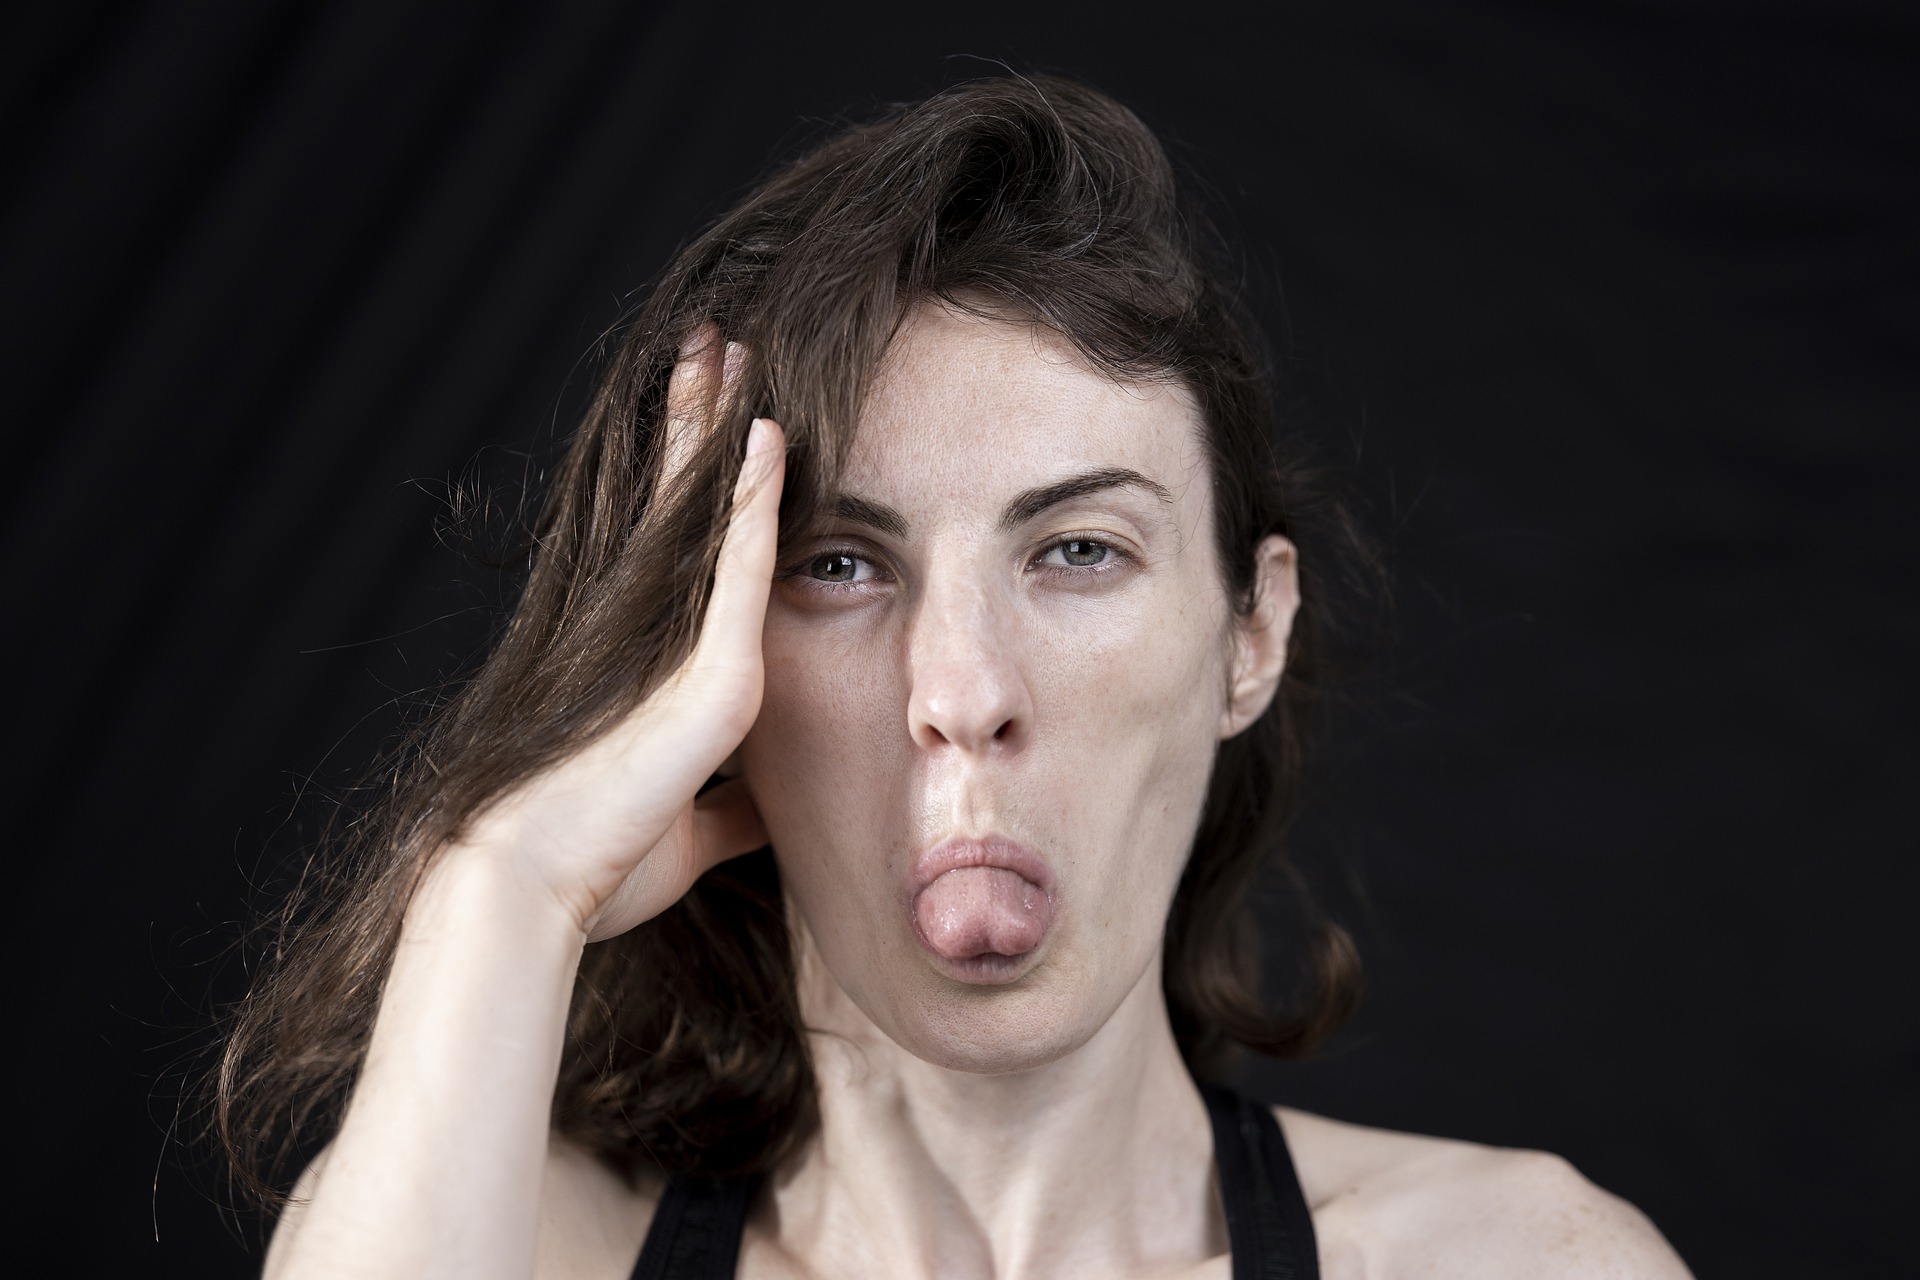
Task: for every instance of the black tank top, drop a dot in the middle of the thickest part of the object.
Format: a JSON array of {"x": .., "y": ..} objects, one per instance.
[{"x": 696, "y": 1230}]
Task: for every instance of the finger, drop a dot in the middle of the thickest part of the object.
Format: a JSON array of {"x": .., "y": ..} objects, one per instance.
[
  {"x": 689, "y": 389},
  {"x": 726, "y": 824},
  {"x": 698, "y": 391},
  {"x": 738, "y": 606},
  {"x": 720, "y": 824},
  {"x": 665, "y": 873}
]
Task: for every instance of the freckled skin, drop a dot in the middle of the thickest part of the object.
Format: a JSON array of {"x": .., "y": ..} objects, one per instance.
[
  {"x": 1059, "y": 681},
  {"x": 950, "y": 686},
  {"x": 963, "y": 689}
]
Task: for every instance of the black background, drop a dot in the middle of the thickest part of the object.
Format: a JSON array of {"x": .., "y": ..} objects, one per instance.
[{"x": 1609, "y": 311}]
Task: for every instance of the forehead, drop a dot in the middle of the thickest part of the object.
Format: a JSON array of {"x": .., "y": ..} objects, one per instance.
[{"x": 966, "y": 409}]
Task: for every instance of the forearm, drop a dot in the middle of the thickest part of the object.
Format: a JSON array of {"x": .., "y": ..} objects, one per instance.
[{"x": 437, "y": 1166}]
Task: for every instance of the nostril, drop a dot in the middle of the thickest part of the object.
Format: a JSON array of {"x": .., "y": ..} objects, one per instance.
[{"x": 1000, "y": 734}]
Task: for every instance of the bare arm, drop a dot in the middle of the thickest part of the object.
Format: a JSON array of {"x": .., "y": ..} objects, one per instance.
[{"x": 438, "y": 1165}]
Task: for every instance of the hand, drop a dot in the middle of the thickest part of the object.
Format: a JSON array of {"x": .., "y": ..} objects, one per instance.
[{"x": 614, "y": 832}]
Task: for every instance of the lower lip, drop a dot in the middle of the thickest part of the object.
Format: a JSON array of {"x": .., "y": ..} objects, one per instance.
[{"x": 981, "y": 909}]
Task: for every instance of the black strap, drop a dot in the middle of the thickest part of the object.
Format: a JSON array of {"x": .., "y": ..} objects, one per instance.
[
  {"x": 1269, "y": 1229},
  {"x": 696, "y": 1230}
]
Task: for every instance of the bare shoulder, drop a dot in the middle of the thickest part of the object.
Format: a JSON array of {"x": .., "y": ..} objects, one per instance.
[
  {"x": 1389, "y": 1204},
  {"x": 591, "y": 1219},
  {"x": 292, "y": 1214}
]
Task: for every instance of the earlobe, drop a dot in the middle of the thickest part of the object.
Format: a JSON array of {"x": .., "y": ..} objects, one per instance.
[{"x": 1260, "y": 638}]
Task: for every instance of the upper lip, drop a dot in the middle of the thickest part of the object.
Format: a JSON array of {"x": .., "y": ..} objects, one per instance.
[{"x": 981, "y": 851}]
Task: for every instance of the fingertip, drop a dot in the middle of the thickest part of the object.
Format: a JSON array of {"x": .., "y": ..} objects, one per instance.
[
  {"x": 764, "y": 436},
  {"x": 761, "y": 469},
  {"x": 698, "y": 339},
  {"x": 727, "y": 823}
]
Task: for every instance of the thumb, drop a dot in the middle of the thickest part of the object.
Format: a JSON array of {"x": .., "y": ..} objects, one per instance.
[{"x": 726, "y": 824}]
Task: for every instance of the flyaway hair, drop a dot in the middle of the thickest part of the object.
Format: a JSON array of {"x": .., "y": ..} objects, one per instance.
[{"x": 1034, "y": 200}]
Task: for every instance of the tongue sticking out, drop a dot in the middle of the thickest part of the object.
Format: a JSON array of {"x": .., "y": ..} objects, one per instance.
[{"x": 972, "y": 911}]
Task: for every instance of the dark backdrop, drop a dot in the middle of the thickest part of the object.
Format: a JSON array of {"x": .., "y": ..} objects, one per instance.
[{"x": 1609, "y": 312}]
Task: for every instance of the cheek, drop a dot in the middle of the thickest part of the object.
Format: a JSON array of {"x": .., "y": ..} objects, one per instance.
[
  {"x": 1147, "y": 680},
  {"x": 1129, "y": 714},
  {"x": 823, "y": 757}
]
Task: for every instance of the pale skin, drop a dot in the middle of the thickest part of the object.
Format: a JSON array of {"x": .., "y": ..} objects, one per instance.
[{"x": 973, "y": 648}]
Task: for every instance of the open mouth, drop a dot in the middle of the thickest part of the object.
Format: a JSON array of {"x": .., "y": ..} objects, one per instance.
[{"x": 981, "y": 905}]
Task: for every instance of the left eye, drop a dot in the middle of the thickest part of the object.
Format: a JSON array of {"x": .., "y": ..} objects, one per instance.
[{"x": 1079, "y": 553}]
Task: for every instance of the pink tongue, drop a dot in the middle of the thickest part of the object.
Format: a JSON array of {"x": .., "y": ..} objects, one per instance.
[{"x": 973, "y": 911}]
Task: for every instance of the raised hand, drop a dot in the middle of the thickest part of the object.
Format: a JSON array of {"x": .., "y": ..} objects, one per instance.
[
  {"x": 442, "y": 1157},
  {"x": 614, "y": 832}
]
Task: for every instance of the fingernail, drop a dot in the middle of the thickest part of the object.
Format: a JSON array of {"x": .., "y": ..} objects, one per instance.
[{"x": 759, "y": 438}]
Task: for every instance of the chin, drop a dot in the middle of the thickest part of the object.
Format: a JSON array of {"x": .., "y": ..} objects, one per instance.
[
  {"x": 994, "y": 1031},
  {"x": 1024, "y": 1021}
]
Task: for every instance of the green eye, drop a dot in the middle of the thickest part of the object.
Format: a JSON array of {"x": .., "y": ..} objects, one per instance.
[
  {"x": 1080, "y": 553},
  {"x": 835, "y": 566}
]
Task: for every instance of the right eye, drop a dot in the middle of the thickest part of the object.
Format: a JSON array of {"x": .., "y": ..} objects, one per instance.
[{"x": 839, "y": 568}]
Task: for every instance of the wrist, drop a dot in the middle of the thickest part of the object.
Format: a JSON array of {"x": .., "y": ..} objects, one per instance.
[{"x": 482, "y": 885}]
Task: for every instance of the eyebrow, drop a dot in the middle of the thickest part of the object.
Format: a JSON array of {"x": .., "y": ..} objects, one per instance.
[
  {"x": 1024, "y": 507},
  {"x": 1034, "y": 501},
  {"x": 875, "y": 515}
]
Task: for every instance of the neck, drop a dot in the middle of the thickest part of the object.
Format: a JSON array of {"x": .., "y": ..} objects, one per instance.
[{"x": 1100, "y": 1162}]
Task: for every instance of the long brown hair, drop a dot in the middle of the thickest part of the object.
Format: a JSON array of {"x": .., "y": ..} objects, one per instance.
[{"x": 1038, "y": 198}]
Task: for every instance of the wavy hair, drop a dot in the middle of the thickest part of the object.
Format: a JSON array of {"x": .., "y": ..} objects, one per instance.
[{"x": 1038, "y": 198}]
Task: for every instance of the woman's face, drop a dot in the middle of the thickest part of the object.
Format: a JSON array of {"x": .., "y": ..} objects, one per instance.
[{"x": 995, "y": 685}]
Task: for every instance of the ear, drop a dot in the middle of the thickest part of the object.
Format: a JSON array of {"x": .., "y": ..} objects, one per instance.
[{"x": 1260, "y": 638}]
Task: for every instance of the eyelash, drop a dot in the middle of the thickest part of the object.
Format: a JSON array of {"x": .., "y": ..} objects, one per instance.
[{"x": 1116, "y": 556}]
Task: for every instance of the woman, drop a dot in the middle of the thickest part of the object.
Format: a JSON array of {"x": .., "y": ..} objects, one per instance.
[{"x": 838, "y": 868}]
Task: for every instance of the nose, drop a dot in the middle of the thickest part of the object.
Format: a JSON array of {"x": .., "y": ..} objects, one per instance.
[{"x": 969, "y": 686}]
